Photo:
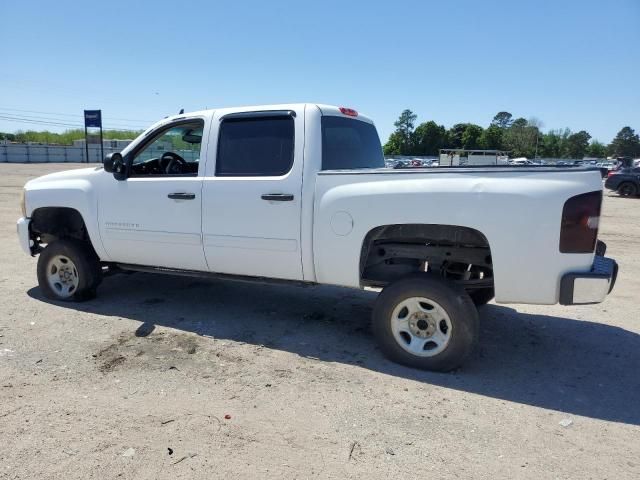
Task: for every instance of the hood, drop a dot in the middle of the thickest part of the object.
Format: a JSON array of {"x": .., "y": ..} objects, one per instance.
[{"x": 76, "y": 174}]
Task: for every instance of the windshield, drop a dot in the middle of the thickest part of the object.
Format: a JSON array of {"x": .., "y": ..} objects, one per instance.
[{"x": 348, "y": 143}]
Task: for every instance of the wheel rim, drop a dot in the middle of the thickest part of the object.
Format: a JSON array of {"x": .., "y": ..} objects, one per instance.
[
  {"x": 62, "y": 276},
  {"x": 626, "y": 190},
  {"x": 421, "y": 326}
]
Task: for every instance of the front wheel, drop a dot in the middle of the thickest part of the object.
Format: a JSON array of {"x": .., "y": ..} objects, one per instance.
[
  {"x": 68, "y": 270},
  {"x": 425, "y": 322}
]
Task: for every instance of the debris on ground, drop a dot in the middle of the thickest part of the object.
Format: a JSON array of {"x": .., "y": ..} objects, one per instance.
[
  {"x": 565, "y": 422},
  {"x": 129, "y": 452},
  {"x": 355, "y": 448},
  {"x": 184, "y": 458}
]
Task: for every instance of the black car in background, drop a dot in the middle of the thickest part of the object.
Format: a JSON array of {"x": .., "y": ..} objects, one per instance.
[{"x": 625, "y": 181}]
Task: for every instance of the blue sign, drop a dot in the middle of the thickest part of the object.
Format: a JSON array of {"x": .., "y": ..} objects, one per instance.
[{"x": 92, "y": 119}]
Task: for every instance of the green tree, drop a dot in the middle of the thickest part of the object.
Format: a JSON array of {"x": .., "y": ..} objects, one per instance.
[
  {"x": 502, "y": 120},
  {"x": 577, "y": 144},
  {"x": 553, "y": 144},
  {"x": 471, "y": 137},
  {"x": 454, "y": 135},
  {"x": 597, "y": 149},
  {"x": 393, "y": 145},
  {"x": 429, "y": 138},
  {"x": 11, "y": 137},
  {"x": 521, "y": 138},
  {"x": 491, "y": 138},
  {"x": 67, "y": 137},
  {"x": 404, "y": 128},
  {"x": 626, "y": 143},
  {"x": 519, "y": 123}
]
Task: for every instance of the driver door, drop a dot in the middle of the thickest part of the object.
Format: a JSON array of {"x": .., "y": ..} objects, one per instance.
[{"x": 154, "y": 217}]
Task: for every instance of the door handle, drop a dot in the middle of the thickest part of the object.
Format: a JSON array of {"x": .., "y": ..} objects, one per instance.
[
  {"x": 277, "y": 197},
  {"x": 182, "y": 196}
]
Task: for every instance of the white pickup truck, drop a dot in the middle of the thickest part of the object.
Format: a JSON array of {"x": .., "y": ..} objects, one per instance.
[{"x": 300, "y": 193}]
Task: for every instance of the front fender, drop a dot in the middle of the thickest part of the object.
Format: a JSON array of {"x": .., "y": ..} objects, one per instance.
[{"x": 78, "y": 193}]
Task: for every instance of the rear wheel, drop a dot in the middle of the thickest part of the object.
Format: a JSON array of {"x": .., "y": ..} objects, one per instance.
[
  {"x": 68, "y": 270},
  {"x": 425, "y": 322},
  {"x": 627, "y": 189}
]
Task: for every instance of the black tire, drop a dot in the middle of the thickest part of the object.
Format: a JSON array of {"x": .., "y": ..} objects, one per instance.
[
  {"x": 86, "y": 263},
  {"x": 456, "y": 303},
  {"x": 482, "y": 296},
  {"x": 627, "y": 189}
]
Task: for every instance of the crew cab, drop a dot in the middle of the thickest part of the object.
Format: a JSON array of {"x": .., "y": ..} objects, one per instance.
[{"x": 299, "y": 193}]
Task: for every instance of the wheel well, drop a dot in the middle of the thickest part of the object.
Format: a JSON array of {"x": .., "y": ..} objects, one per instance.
[
  {"x": 461, "y": 254},
  {"x": 50, "y": 223}
]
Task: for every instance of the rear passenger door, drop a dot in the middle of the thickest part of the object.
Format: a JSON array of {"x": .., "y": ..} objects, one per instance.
[{"x": 251, "y": 197}]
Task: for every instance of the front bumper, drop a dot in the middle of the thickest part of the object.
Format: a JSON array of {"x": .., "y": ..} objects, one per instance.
[
  {"x": 589, "y": 287},
  {"x": 23, "y": 235}
]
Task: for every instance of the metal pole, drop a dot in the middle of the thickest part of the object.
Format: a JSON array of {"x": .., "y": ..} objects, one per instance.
[
  {"x": 86, "y": 143},
  {"x": 101, "y": 142}
]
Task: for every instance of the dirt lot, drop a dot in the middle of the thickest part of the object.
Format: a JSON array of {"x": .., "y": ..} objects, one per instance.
[{"x": 137, "y": 383}]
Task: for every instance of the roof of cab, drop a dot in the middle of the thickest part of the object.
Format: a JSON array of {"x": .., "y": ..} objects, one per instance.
[{"x": 324, "y": 110}]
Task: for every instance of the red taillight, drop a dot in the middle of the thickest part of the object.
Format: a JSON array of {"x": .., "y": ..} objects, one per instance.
[
  {"x": 348, "y": 111},
  {"x": 580, "y": 219},
  {"x": 611, "y": 172}
]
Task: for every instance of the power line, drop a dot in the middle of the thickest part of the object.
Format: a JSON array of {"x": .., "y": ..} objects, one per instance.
[
  {"x": 40, "y": 122},
  {"x": 71, "y": 114},
  {"x": 58, "y": 120},
  {"x": 57, "y": 124},
  {"x": 64, "y": 122}
]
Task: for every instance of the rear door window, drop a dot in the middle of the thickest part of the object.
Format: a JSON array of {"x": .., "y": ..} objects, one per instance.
[
  {"x": 255, "y": 147},
  {"x": 348, "y": 143}
]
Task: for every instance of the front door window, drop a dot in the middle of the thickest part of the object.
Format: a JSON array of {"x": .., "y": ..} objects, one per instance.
[{"x": 173, "y": 151}]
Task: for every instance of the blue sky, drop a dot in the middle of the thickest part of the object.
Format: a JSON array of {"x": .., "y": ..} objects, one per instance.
[{"x": 567, "y": 63}]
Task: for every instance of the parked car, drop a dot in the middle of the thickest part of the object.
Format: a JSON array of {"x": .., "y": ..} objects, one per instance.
[
  {"x": 625, "y": 181},
  {"x": 605, "y": 168},
  {"x": 520, "y": 161},
  {"x": 298, "y": 193}
]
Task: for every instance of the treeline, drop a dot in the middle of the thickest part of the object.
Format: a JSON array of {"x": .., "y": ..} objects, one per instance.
[
  {"x": 521, "y": 137},
  {"x": 65, "y": 138}
]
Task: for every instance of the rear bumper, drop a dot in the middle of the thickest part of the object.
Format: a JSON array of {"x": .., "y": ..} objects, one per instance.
[
  {"x": 589, "y": 287},
  {"x": 23, "y": 235}
]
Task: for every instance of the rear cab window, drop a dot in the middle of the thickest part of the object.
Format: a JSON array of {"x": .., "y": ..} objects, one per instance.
[
  {"x": 261, "y": 146},
  {"x": 349, "y": 143}
]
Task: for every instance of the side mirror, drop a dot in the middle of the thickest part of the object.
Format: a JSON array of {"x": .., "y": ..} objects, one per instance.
[{"x": 114, "y": 163}]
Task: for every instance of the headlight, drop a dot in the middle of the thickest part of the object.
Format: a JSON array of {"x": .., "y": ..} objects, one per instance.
[{"x": 23, "y": 205}]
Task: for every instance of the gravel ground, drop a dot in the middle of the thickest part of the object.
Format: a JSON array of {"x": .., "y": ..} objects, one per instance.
[{"x": 164, "y": 377}]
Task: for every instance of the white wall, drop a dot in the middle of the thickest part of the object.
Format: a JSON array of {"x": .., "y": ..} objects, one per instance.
[{"x": 23, "y": 153}]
